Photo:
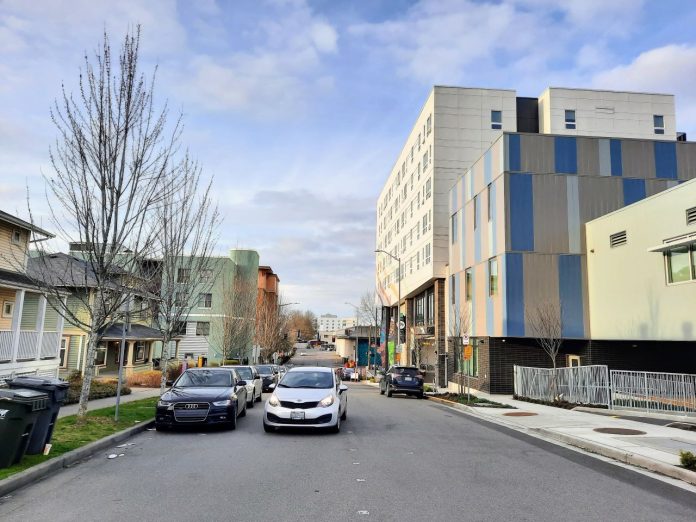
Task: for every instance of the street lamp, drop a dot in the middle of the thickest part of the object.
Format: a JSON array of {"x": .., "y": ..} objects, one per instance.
[
  {"x": 286, "y": 304},
  {"x": 356, "y": 333},
  {"x": 398, "y": 305}
]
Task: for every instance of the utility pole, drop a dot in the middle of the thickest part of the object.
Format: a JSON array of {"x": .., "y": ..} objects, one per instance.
[{"x": 124, "y": 327}]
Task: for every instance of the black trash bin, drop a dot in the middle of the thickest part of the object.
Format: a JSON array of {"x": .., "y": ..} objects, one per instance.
[
  {"x": 56, "y": 390},
  {"x": 19, "y": 409}
]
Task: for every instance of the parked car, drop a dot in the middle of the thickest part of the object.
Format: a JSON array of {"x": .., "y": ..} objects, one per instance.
[
  {"x": 268, "y": 374},
  {"x": 282, "y": 370},
  {"x": 309, "y": 397},
  {"x": 402, "y": 379},
  {"x": 254, "y": 382},
  {"x": 347, "y": 373},
  {"x": 203, "y": 396}
]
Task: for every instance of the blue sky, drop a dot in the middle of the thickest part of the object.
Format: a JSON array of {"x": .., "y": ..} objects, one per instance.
[{"x": 298, "y": 108}]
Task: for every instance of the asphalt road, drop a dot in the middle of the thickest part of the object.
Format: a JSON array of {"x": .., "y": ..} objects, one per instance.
[{"x": 395, "y": 459}]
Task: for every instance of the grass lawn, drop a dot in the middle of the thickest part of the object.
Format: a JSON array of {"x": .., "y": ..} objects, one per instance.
[{"x": 69, "y": 434}]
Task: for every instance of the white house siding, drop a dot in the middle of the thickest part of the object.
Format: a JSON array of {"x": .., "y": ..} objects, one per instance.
[{"x": 192, "y": 343}]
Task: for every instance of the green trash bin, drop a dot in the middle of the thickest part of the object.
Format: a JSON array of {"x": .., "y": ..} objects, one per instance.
[
  {"x": 56, "y": 390},
  {"x": 19, "y": 409}
]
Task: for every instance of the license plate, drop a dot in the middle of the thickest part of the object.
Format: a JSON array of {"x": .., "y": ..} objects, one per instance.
[
  {"x": 409, "y": 378},
  {"x": 297, "y": 415}
]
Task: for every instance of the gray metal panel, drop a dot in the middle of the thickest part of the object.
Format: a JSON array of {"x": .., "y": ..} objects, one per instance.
[
  {"x": 598, "y": 196},
  {"x": 550, "y": 213},
  {"x": 540, "y": 281},
  {"x": 574, "y": 227},
  {"x": 653, "y": 186},
  {"x": 537, "y": 153},
  {"x": 686, "y": 160},
  {"x": 588, "y": 156},
  {"x": 604, "y": 152},
  {"x": 638, "y": 158}
]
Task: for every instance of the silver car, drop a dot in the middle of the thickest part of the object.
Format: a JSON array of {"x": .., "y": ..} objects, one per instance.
[
  {"x": 254, "y": 382},
  {"x": 308, "y": 397}
]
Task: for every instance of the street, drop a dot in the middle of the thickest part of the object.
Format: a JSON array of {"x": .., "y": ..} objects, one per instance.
[{"x": 395, "y": 459}]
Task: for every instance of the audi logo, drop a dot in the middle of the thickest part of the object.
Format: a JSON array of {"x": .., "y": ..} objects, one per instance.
[{"x": 191, "y": 406}]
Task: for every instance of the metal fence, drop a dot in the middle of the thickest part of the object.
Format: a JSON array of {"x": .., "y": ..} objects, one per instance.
[
  {"x": 671, "y": 393},
  {"x": 577, "y": 384}
]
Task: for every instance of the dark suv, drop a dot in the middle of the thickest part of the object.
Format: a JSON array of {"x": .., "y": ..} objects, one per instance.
[
  {"x": 269, "y": 374},
  {"x": 402, "y": 379}
]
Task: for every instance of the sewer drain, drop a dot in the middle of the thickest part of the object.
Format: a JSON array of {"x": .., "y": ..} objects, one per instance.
[
  {"x": 520, "y": 414},
  {"x": 619, "y": 431}
]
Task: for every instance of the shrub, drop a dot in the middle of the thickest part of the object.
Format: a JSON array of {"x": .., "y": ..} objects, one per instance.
[
  {"x": 99, "y": 389},
  {"x": 173, "y": 370},
  {"x": 688, "y": 460},
  {"x": 151, "y": 379}
]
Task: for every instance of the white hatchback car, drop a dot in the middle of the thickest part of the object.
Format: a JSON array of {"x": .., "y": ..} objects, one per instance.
[
  {"x": 308, "y": 397},
  {"x": 254, "y": 382}
]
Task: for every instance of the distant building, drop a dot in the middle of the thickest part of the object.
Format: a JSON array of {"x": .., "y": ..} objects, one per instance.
[{"x": 331, "y": 323}]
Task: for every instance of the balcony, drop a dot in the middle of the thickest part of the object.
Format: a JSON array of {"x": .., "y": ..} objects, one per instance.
[{"x": 31, "y": 345}]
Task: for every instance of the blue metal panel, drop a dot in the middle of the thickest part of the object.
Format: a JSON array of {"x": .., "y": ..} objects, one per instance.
[
  {"x": 633, "y": 190},
  {"x": 514, "y": 156},
  {"x": 616, "y": 162},
  {"x": 570, "y": 293},
  {"x": 666, "y": 160},
  {"x": 521, "y": 212},
  {"x": 514, "y": 295},
  {"x": 362, "y": 352},
  {"x": 566, "y": 155},
  {"x": 487, "y": 168}
]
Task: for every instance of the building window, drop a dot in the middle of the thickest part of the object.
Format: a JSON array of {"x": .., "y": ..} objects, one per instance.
[
  {"x": 420, "y": 310},
  {"x": 470, "y": 366},
  {"x": 680, "y": 264},
  {"x": 429, "y": 124},
  {"x": 492, "y": 276},
  {"x": 427, "y": 254},
  {"x": 183, "y": 275},
  {"x": 425, "y": 223},
  {"x": 17, "y": 237},
  {"x": 428, "y": 188},
  {"x": 659, "y": 123},
  {"x": 488, "y": 202},
  {"x": 7, "y": 308},
  {"x": 63, "y": 353},
  {"x": 453, "y": 298},
  {"x": 454, "y": 228},
  {"x": 475, "y": 212},
  {"x": 205, "y": 300},
  {"x": 100, "y": 357},
  {"x": 569, "y": 119},
  {"x": 468, "y": 282},
  {"x": 496, "y": 119},
  {"x": 202, "y": 328},
  {"x": 206, "y": 274},
  {"x": 430, "y": 308}
]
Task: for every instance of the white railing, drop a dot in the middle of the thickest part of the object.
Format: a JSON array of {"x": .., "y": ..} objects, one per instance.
[
  {"x": 49, "y": 344},
  {"x": 671, "y": 393},
  {"x": 28, "y": 343},
  {"x": 577, "y": 384},
  {"x": 5, "y": 346}
]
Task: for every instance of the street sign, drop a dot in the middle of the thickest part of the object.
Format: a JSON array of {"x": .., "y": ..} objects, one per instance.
[
  {"x": 402, "y": 325},
  {"x": 468, "y": 352},
  {"x": 465, "y": 340}
]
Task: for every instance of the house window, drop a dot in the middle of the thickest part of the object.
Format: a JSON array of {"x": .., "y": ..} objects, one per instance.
[
  {"x": 496, "y": 119},
  {"x": 659, "y": 123},
  {"x": 17, "y": 237},
  {"x": 203, "y": 328},
  {"x": 492, "y": 276},
  {"x": 205, "y": 300},
  {"x": 569, "y": 119},
  {"x": 179, "y": 299},
  {"x": 7, "y": 308},
  {"x": 680, "y": 261},
  {"x": 63, "y": 353},
  {"x": 468, "y": 281},
  {"x": 206, "y": 274},
  {"x": 183, "y": 275},
  {"x": 454, "y": 228},
  {"x": 100, "y": 357},
  {"x": 140, "y": 352}
]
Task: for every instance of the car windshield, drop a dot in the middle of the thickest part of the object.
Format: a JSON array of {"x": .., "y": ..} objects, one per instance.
[
  {"x": 204, "y": 378},
  {"x": 307, "y": 379},
  {"x": 245, "y": 373},
  {"x": 266, "y": 370},
  {"x": 412, "y": 372}
]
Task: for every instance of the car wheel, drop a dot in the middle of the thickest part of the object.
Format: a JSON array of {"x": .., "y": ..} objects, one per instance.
[
  {"x": 381, "y": 391},
  {"x": 345, "y": 413},
  {"x": 267, "y": 428},
  {"x": 232, "y": 425},
  {"x": 389, "y": 392},
  {"x": 337, "y": 427},
  {"x": 258, "y": 399},
  {"x": 243, "y": 412},
  {"x": 250, "y": 404},
  {"x": 160, "y": 427},
  {"x": 420, "y": 395}
]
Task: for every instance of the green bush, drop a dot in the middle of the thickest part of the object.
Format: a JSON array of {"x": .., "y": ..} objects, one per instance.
[
  {"x": 99, "y": 389},
  {"x": 688, "y": 460},
  {"x": 173, "y": 371}
]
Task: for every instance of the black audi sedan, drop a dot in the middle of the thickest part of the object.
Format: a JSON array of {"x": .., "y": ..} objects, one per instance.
[
  {"x": 402, "y": 379},
  {"x": 203, "y": 396},
  {"x": 269, "y": 374}
]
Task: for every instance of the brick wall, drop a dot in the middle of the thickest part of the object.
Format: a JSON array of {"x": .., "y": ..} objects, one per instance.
[{"x": 440, "y": 329}]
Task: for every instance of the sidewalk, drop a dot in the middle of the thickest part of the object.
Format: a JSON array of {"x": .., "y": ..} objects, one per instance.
[
  {"x": 655, "y": 448},
  {"x": 136, "y": 394}
]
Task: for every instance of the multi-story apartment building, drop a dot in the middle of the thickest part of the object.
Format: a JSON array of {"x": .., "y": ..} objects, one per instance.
[
  {"x": 455, "y": 126},
  {"x": 331, "y": 323},
  {"x": 266, "y": 310},
  {"x": 518, "y": 213},
  {"x": 31, "y": 331}
]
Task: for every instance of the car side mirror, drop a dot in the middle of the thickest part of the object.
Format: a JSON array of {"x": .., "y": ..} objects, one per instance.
[
  {"x": 342, "y": 388},
  {"x": 272, "y": 385},
  {"x": 241, "y": 383}
]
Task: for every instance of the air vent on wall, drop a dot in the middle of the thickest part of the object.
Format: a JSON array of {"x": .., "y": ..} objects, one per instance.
[
  {"x": 617, "y": 239},
  {"x": 691, "y": 216}
]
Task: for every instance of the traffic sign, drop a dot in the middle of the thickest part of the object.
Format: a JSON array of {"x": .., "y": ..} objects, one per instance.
[
  {"x": 465, "y": 340},
  {"x": 402, "y": 325},
  {"x": 468, "y": 352}
]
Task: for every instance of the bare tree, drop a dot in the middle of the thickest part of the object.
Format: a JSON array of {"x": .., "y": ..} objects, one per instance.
[
  {"x": 113, "y": 150},
  {"x": 544, "y": 320},
  {"x": 271, "y": 329},
  {"x": 459, "y": 327},
  {"x": 303, "y": 322},
  {"x": 232, "y": 333},
  {"x": 186, "y": 226}
]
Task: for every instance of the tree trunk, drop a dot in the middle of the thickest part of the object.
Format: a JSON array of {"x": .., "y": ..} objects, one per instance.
[
  {"x": 92, "y": 340},
  {"x": 164, "y": 362}
]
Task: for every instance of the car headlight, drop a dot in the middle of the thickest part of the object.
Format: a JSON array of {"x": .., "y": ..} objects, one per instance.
[
  {"x": 227, "y": 402},
  {"x": 326, "y": 401},
  {"x": 273, "y": 401},
  {"x": 164, "y": 404}
]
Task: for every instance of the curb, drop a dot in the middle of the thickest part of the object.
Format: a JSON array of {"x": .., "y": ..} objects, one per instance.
[
  {"x": 40, "y": 471},
  {"x": 592, "y": 447}
]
